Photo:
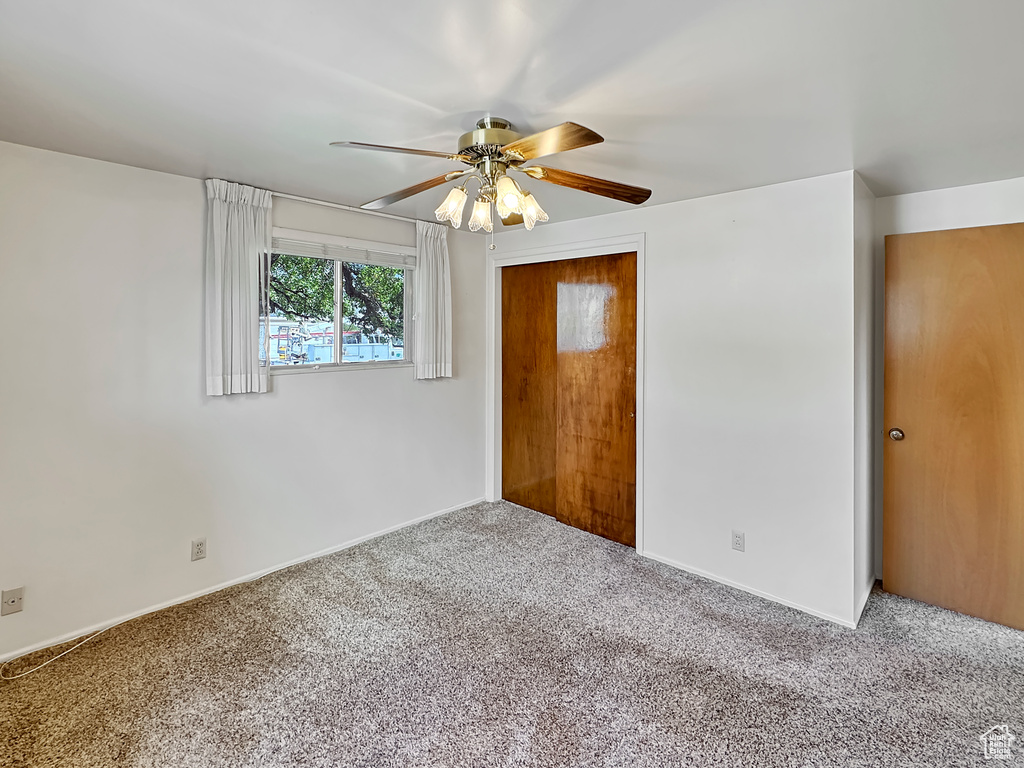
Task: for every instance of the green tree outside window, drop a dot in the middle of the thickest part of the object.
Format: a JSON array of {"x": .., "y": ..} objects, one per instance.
[{"x": 302, "y": 289}]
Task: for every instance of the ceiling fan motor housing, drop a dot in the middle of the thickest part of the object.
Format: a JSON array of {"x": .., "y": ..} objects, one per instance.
[{"x": 490, "y": 135}]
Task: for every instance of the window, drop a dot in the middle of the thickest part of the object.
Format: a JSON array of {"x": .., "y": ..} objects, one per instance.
[{"x": 335, "y": 305}]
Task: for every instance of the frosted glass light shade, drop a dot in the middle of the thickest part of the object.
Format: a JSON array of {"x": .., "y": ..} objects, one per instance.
[
  {"x": 481, "y": 218},
  {"x": 508, "y": 194},
  {"x": 541, "y": 213},
  {"x": 503, "y": 210},
  {"x": 452, "y": 207},
  {"x": 532, "y": 212}
]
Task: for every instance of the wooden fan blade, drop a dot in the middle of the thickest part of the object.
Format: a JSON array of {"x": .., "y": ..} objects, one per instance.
[
  {"x": 400, "y": 150},
  {"x": 401, "y": 194},
  {"x": 512, "y": 219},
  {"x": 561, "y": 138},
  {"x": 603, "y": 187}
]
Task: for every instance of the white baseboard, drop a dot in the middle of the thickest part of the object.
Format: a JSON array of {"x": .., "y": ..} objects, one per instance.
[
  {"x": 224, "y": 585},
  {"x": 750, "y": 590}
]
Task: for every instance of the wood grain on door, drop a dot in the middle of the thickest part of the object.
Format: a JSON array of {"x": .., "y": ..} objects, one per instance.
[{"x": 953, "y": 527}]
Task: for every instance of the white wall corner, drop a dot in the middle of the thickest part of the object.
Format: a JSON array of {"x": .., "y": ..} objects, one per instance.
[
  {"x": 866, "y": 396},
  {"x": 861, "y": 600}
]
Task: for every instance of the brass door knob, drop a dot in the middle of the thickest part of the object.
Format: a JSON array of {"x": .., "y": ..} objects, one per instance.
[{"x": 896, "y": 434}]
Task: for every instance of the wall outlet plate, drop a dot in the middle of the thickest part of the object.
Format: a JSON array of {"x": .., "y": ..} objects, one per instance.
[
  {"x": 12, "y": 600},
  {"x": 738, "y": 541},
  {"x": 199, "y": 548}
]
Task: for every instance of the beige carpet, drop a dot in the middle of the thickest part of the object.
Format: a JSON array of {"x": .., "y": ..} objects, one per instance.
[{"x": 494, "y": 636}]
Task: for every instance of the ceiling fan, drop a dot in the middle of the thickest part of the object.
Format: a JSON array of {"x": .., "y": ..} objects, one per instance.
[{"x": 492, "y": 150}]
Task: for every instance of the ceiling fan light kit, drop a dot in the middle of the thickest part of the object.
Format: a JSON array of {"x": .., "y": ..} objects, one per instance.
[{"x": 492, "y": 150}]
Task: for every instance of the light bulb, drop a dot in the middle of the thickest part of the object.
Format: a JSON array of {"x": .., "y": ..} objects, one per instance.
[
  {"x": 452, "y": 207},
  {"x": 508, "y": 194},
  {"x": 532, "y": 212},
  {"x": 481, "y": 218}
]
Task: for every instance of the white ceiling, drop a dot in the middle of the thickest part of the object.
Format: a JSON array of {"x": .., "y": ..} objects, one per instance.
[{"x": 693, "y": 97}]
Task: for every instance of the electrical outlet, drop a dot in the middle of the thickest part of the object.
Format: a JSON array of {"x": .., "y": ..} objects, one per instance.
[
  {"x": 738, "y": 541},
  {"x": 199, "y": 548},
  {"x": 12, "y": 600}
]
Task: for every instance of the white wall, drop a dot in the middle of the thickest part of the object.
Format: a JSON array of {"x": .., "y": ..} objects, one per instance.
[
  {"x": 977, "y": 205},
  {"x": 750, "y": 383},
  {"x": 111, "y": 457},
  {"x": 865, "y": 442}
]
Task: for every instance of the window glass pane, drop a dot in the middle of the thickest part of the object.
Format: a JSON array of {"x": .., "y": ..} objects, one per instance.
[
  {"x": 301, "y": 318},
  {"x": 373, "y": 301}
]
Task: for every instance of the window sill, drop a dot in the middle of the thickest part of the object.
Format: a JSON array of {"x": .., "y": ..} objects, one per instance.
[{"x": 288, "y": 370}]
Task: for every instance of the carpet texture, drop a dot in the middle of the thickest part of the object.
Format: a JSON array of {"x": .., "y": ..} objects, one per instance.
[{"x": 494, "y": 636}]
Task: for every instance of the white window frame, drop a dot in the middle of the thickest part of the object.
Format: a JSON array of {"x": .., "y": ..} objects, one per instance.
[{"x": 295, "y": 242}]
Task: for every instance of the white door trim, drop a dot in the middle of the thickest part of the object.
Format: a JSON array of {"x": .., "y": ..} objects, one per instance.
[{"x": 492, "y": 417}]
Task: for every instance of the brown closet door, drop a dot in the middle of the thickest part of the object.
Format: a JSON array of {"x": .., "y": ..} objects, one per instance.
[
  {"x": 569, "y": 391},
  {"x": 529, "y": 363},
  {"x": 954, "y": 384}
]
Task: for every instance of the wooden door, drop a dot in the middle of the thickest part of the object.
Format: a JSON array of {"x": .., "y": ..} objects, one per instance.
[
  {"x": 529, "y": 391},
  {"x": 569, "y": 391},
  {"x": 953, "y": 529}
]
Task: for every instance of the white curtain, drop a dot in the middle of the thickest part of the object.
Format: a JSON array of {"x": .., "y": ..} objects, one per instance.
[
  {"x": 432, "y": 334},
  {"x": 238, "y": 237}
]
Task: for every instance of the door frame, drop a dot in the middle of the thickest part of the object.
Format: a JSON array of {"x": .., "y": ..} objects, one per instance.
[{"x": 492, "y": 399}]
